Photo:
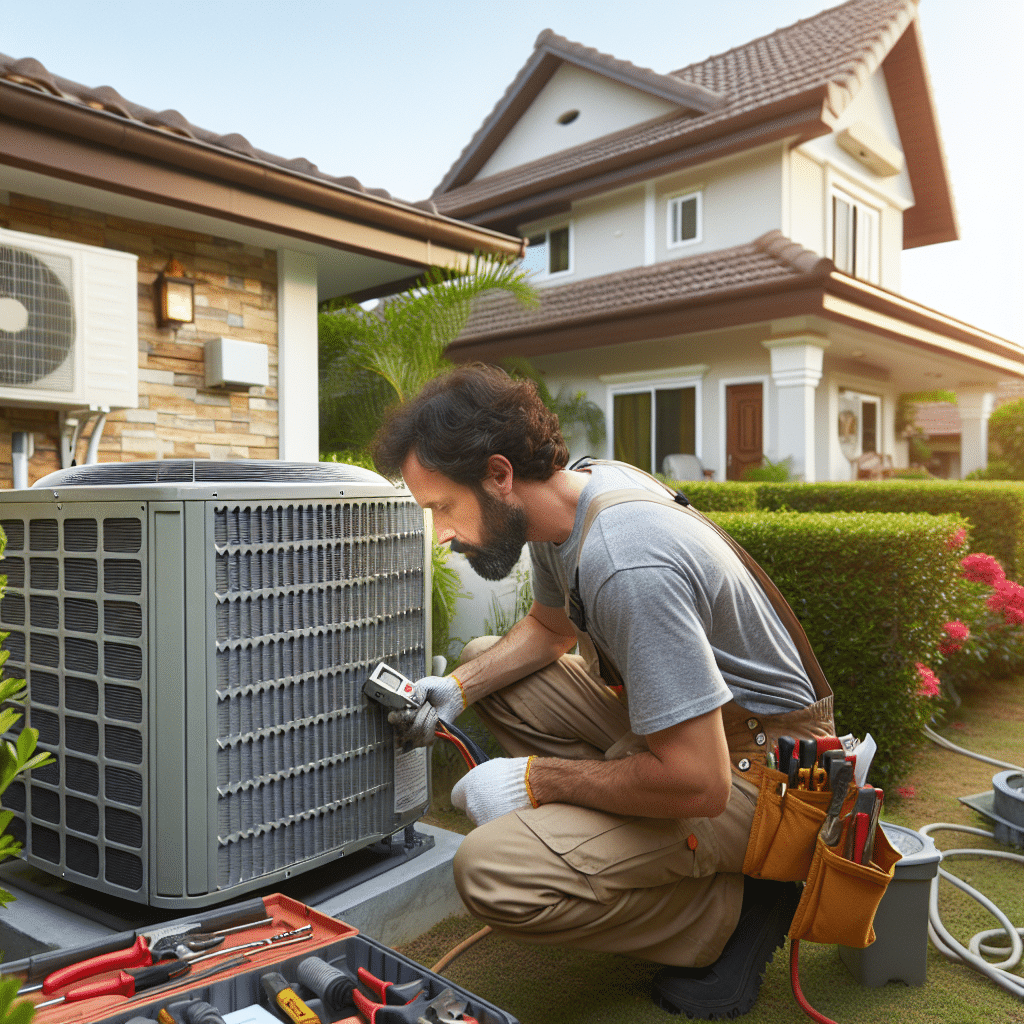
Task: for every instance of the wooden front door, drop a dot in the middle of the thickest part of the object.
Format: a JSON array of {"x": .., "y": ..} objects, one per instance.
[{"x": 743, "y": 428}]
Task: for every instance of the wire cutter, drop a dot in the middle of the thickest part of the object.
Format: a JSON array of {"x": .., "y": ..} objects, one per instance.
[{"x": 442, "y": 1009}]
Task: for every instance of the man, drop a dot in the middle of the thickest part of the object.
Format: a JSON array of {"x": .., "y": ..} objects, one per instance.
[{"x": 614, "y": 824}]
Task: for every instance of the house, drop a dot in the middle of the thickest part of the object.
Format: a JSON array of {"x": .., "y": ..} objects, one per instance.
[
  {"x": 718, "y": 248},
  {"x": 104, "y": 202}
]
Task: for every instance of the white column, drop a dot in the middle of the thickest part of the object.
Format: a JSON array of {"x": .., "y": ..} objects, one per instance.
[
  {"x": 796, "y": 371},
  {"x": 298, "y": 417},
  {"x": 976, "y": 405}
]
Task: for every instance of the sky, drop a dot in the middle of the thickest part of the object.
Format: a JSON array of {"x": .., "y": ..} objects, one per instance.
[{"x": 391, "y": 92}]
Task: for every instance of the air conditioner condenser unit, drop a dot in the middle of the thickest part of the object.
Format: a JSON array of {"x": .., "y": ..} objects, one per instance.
[{"x": 195, "y": 636}]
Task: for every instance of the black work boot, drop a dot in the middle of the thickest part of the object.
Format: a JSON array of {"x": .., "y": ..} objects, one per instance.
[{"x": 729, "y": 986}]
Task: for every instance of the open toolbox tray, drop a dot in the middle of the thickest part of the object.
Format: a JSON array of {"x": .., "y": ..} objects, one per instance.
[{"x": 333, "y": 941}]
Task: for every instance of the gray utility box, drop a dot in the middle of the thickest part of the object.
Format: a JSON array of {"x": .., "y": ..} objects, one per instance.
[
  {"x": 900, "y": 949},
  {"x": 195, "y": 636}
]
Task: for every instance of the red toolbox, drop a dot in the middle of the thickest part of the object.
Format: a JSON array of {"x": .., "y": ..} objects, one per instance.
[{"x": 233, "y": 988}]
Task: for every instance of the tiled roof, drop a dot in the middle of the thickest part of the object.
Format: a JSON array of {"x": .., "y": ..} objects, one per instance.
[
  {"x": 770, "y": 258},
  {"x": 937, "y": 419},
  {"x": 30, "y": 73},
  {"x": 835, "y": 52}
]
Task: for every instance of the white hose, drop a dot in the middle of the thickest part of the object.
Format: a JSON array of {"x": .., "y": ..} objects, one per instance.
[
  {"x": 949, "y": 745},
  {"x": 953, "y": 950}
]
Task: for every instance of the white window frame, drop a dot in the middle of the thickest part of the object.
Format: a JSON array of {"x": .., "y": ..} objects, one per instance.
[
  {"x": 697, "y": 195},
  {"x": 864, "y": 232},
  {"x": 651, "y": 384},
  {"x": 545, "y": 272}
]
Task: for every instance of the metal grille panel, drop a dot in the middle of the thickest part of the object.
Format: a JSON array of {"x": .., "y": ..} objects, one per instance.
[
  {"x": 87, "y": 691},
  {"x": 308, "y": 599}
]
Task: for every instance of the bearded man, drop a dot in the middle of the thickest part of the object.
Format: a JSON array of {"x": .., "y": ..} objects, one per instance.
[{"x": 617, "y": 822}]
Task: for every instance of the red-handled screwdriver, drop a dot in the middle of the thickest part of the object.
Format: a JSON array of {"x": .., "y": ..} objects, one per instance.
[{"x": 124, "y": 983}]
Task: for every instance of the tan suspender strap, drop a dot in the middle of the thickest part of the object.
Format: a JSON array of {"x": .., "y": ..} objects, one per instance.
[{"x": 771, "y": 591}]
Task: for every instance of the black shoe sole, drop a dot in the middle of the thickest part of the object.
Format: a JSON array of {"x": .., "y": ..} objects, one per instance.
[{"x": 756, "y": 963}]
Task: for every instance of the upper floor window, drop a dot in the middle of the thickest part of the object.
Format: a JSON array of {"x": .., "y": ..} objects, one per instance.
[
  {"x": 548, "y": 252},
  {"x": 684, "y": 219},
  {"x": 855, "y": 237}
]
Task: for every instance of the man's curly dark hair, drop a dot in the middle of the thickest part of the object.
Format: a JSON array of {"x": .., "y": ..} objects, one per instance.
[{"x": 459, "y": 420}]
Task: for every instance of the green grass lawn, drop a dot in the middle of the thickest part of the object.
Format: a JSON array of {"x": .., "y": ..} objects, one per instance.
[{"x": 544, "y": 985}]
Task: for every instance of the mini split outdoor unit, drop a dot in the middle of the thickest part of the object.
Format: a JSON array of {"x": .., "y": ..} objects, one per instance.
[{"x": 195, "y": 636}]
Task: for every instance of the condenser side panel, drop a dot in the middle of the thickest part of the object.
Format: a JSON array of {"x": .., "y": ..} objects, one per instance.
[{"x": 75, "y": 603}]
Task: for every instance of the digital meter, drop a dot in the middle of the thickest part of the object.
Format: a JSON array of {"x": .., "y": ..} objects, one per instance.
[{"x": 389, "y": 687}]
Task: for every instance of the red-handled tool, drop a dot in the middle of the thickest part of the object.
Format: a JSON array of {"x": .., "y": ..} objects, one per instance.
[
  {"x": 442, "y": 1008},
  {"x": 124, "y": 983},
  {"x": 388, "y": 991},
  {"x": 861, "y": 822}
]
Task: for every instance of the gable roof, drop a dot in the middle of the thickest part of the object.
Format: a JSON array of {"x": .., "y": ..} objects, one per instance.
[{"x": 793, "y": 83}]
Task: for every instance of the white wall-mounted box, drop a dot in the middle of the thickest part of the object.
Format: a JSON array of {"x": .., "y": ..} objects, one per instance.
[{"x": 239, "y": 364}]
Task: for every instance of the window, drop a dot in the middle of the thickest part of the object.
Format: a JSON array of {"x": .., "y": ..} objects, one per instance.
[
  {"x": 854, "y": 237},
  {"x": 651, "y": 423},
  {"x": 547, "y": 252},
  {"x": 684, "y": 219}
]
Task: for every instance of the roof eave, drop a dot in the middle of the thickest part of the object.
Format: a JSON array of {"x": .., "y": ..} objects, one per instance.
[
  {"x": 933, "y": 216},
  {"x": 831, "y": 295},
  {"x": 36, "y": 113}
]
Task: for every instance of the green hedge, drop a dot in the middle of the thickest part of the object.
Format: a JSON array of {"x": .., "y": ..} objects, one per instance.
[
  {"x": 711, "y": 495},
  {"x": 995, "y": 510},
  {"x": 872, "y": 592}
]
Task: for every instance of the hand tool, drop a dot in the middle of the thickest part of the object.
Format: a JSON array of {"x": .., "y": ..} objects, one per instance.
[
  {"x": 389, "y": 992},
  {"x": 869, "y": 846},
  {"x": 824, "y": 743},
  {"x": 251, "y": 914},
  {"x": 275, "y": 940},
  {"x": 280, "y": 998},
  {"x": 864, "y": 805},
  {"x": 191, "y": 979},
  {"x": 136, "y": 955},
  {"x": 819, "y": 779},
  {"x": 192, "y": 1012},
  {"x": 830, "y": 761},
  {"x": 787, "y": 748},
  {"x": 389, "y": 687},
  {"x": 124, "y": 983},
  {"x": 332, "y": 985},
  {"x": 808, "y": 753},
  {"x": 440, "y": 1010},
  {"x": 860, "y": 827},
  {"x": 832, "y": 828}
]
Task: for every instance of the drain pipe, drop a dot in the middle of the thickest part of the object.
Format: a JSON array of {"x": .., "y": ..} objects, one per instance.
[
  {"x": 92, "y": 453},
  {"x": 21, "y": 451}
]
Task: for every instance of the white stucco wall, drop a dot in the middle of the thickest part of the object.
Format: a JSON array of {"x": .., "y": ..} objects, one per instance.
[
  {"x": 742, "y": 198},
  {"x": 605, "y": 106}
]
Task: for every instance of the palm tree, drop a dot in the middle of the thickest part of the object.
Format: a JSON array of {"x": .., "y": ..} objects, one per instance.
[{"x": 372, "y": 359}]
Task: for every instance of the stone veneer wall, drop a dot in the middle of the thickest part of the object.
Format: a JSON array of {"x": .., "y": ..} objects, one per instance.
[{"x": 178, "y": 416}]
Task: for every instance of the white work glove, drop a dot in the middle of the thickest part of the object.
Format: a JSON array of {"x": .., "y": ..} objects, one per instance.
[
  {"x": 438, "y": 697},
  {"x": 492, "y": 789}
]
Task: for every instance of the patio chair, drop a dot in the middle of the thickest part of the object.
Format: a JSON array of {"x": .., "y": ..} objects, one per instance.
[
  {"x": 685, "y": 467},
  {"x": 874, "y": 466}
]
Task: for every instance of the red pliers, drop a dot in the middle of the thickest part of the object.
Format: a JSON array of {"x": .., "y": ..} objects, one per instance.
[{"x": 420, "y": 1009}]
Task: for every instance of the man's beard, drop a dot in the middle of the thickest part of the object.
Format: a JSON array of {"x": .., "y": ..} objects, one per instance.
[{"x": 504, "y": 537}]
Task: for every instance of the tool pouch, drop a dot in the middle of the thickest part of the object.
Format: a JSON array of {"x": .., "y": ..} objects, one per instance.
[
  {"x": 841, "y": 896},
  {"x": 784, "y": 830}
]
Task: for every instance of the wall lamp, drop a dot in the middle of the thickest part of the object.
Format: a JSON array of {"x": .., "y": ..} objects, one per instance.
[{"x": 175, "y": 296}]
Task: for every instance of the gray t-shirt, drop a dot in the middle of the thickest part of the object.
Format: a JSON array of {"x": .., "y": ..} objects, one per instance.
[{"x": 673, "y": 607}]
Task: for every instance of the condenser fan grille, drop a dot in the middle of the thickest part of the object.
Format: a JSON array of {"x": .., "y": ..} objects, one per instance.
[{"x": 40, "y": 348}]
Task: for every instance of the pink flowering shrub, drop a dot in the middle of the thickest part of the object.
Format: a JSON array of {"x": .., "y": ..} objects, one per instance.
[{"x": 987, "y": 639}]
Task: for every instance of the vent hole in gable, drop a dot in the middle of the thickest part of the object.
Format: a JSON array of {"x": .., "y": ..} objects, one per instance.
[{"x": 568, "y": 117}]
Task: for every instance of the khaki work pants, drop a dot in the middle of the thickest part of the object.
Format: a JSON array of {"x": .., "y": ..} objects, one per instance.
[{"x": 668, "y": 890}]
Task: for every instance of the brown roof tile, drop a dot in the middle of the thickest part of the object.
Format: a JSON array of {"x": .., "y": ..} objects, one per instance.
[
  {"x": 30, "y": 73},
  {"x": 772, "y": 257},
  {"x": 835, "y": 51}
]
